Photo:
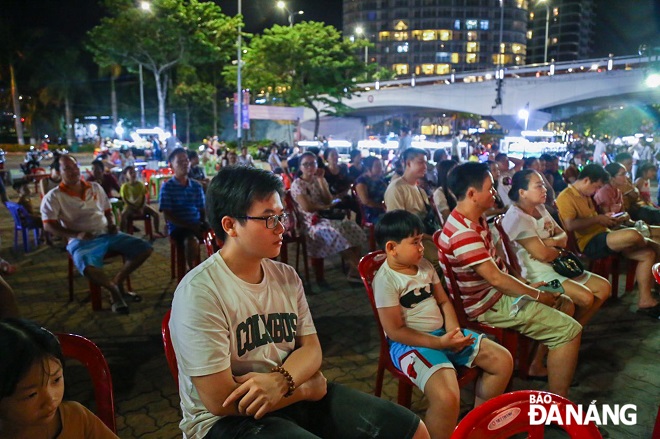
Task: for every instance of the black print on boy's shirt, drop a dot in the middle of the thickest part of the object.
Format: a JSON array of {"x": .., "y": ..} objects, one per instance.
[
  {"x": 412, "y": 298},
  {"x": 276, "y": 328}
]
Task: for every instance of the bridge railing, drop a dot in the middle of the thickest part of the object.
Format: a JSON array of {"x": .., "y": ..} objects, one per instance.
[{"x": 595, "y": 65}]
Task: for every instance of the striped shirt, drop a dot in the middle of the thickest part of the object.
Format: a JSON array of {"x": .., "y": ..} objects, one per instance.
[
  {"x": 185, "y": 202},
  {"x": 467, "y": 244}
]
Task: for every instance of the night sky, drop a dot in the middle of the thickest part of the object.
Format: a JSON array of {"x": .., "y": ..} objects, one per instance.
[{"x": 621, "y": 26}]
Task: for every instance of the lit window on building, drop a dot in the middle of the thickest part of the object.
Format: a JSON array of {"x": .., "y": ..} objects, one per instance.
[
  {"x": 518, "y": 48},
  {"x": 472, "y": 36},
  {"x": 471, "y": 58},
  {"x": 427, "y": 69},
  {"x": 455, "y": 58},
  {"x": 472, "y": 47},
  {"x": 402, "y": 48},
  {"x": 503, "y": 48},
  {"x": 400, "y": 69},
  {"x": 483, "y": 25},
  {"x": 429, "y": 35},
  {"x": 442, "y": 69},
  {"x": 457, "y": 24},
  {"x": 400, "y": 36},
  {"x": 554, "y": 40},
  {"x": 522, "y": 4},
  {"x": 383, "y": 36},
  {"x": 555, "y": 11},
  {"x": 520, "y": 60},
  {"x": 529, "y": 34},
  {"x": 445, "y": 35},
  {"x": 499, "y": 59},
  {"x": 442, "y": 57},
  {"x": 531, "y": 15},
  {"x": 470, "y": 24}
]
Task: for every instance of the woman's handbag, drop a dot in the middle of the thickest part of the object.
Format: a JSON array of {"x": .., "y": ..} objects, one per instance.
[
  {"x": 567, "y": 264},
  {"x": 431, "y": 223}
]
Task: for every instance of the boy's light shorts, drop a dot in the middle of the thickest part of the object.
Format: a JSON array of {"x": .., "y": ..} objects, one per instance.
[{"x": 419, "y": 363}]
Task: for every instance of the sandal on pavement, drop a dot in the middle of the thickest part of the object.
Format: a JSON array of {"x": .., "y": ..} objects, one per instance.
[
  {"x": 653, "y": 311},
  {"x": 7, "y": 268},
  {"x": 120, "y": 308},
  {"x": 135, "y": 297}
]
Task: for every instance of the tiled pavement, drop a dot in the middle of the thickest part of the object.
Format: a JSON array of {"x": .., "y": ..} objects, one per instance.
[{"x": 619, "y": 358}]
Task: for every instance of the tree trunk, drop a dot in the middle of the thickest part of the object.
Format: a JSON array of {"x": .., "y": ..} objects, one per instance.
[
  {"x": 317, "y": 121},
  {"x": 161, "y": 90},
  {"x": 17, "y": 107},
  {"x": 68, "y": 120},
  {"x": 113, "y": 100}
]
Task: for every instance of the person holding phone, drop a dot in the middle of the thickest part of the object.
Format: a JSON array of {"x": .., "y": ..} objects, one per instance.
[
  {"x": 596, "y": 239},
  {"x": 536, "y": 237}
]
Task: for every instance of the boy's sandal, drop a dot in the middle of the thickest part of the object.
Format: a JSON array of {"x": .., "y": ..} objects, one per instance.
[
  {"x": 135, "y": 297},
  {"x": 653, "y": 311},
  {"x": 120, "y": 308},
  {"x": 7, "y": 268}
]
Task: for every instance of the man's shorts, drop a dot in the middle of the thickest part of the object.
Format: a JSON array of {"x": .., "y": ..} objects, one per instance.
[
  {"x": 597, "y": 247},
  {"x": 419, "y": 363},
  {"x": 539, "y": 322},
  {"x": 342, "y": 413},
  {"x": 90, "y": 252}
]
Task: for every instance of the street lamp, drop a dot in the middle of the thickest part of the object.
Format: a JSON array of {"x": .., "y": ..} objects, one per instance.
[
  {"x": 145, "y": 6},
  {"x": 239, "y": 94},
  {"x": 524, "y": 114},
  {"x": 359, "y": 31},
  {"x": 292, "y": 14},
  {"x": 547, "y": 29}
]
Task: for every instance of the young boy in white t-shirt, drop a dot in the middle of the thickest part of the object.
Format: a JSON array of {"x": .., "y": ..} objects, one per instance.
[
  {"x": 426, "y": 342},
  {"x": 247, "y": 350}
]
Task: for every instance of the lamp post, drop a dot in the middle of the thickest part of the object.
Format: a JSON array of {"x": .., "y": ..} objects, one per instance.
[
  {"x": 359, "y": 31},
  {"x": 547, "y": 29},
  {"x": 146, "y": 7},
  {"x": 239, "y": 94},
  {"x": 291, "y": 14}
]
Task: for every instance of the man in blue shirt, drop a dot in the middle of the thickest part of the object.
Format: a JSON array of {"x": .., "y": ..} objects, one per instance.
[{"x": 183, "y": 204}]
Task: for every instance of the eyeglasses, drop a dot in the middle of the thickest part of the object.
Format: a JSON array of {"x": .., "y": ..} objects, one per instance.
[
  {"x": 271, "y": 221},
  {"x": 309, "y": 164}
]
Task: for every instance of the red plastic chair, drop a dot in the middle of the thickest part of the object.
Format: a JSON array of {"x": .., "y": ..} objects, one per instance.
[
  {"x": 170, "y": 355},
  {"x": 94, "y": 290},
  {"x": 656, "y": 272},
  {"x": 367, "y": 267},
  {"x": 83, "y": 350},
  {"x": 178, "y": 259},
  {"x": 295, "y": 234},
  {"x": 211, "y": 243},
  {"x": 364, "y": 223},
  {"x": 317, "y": 263},
  {"x": 508, "y": 414},
  {"x": 517, "y": 344},
  {"x": 148, "y": 229},
  {"x": 508, "y": 246}
]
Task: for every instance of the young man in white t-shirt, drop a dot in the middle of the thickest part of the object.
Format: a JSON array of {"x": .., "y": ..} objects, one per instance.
[
  {"x": 426, "y": 341},
  {"x": 247, "y": 350}
]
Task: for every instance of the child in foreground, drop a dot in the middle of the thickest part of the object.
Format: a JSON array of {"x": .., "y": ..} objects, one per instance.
[
  {"x": 32, "y": 387},
  {"x": 426, "y": 342}
]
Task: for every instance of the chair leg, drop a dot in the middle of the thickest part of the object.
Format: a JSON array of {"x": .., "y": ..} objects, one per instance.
[
  {"x": 404, "y": 397},
  {"x": 317, "y": 264},
  {"x": 95, "y": 295},
  {"x": 284, "y": 254},
  {"x": 173, "y": 259},
  {"x": 379, "y": 379},
  {"x": 630, "y": 276},
  {"x": 305, "y": 261},
  {"x": 148, "y": 229}
]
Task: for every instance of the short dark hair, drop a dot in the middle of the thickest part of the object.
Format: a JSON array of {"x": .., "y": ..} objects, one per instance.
[
  {"x": 646, "y": 166},
  {"x": 520, "y": 180},
  {"x": 176, "y": 152},
  {"x": 233, "y": 190},
  {"x": 410, "y": 154},
  {"x": 397, "y": 225},
  {"x": 613, "y": 168},
  {"x": 623, "y": 156},
  {"x": 327, "y": 152},
  {"x": 467, "y": 175},
  {"x": 96, "y": 163},
  {"x": 528, "y": 161},
  {"x": 501, "y": 156},
  {"x": 439, "y": 155},
  {"x": 368, "y": 162},
  {"x": 355, "y": 153},
  {"x": 545, "y": 157},
  {"x": 594, "y": 173},
  {"x": 192, "y": 154},
  {"x": 22, "y": 344}
]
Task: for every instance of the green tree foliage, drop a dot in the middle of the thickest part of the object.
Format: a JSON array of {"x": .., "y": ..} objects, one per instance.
[
  {"x": 309, "y": 64},
  {"x": 172, "y": 32},
  {"x": 193, "y": 95},
  {"x": 618, "y": 121}
]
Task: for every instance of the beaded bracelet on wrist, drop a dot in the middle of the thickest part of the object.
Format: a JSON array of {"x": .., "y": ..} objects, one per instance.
[{"x": 288, "y": 377}]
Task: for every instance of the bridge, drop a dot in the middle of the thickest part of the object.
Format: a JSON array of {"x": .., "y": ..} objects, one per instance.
[{"x": 550, "y": 91}]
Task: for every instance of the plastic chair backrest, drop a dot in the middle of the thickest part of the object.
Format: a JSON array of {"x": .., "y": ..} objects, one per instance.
[
  {"x": 20, "y": 215},
  {"x": 170, "y": 355},
  {"x": 509, "y": 414},
  {"x": 166, "y": 171},
  {"x": 147, "y": 174},
  {"x": 211, "y": 243},
  {"x": 86, "y": 352},
  {"x": 656, "y": 272},
  {"x": 508, "y": 246},
  {"x": 452, "y": 286},
  {"x": 358, "y": 200},
  {"x": 297, "y": 221}
]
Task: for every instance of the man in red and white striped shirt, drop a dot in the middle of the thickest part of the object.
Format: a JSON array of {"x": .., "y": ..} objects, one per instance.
[{"x": 487, "y": 290}]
